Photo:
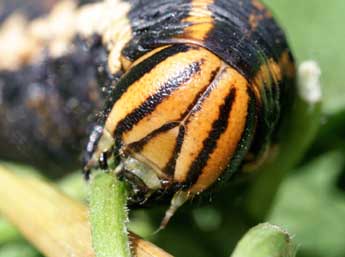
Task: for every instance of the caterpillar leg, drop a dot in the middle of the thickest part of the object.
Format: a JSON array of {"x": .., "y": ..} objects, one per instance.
[{"x": 179, "y": 198}]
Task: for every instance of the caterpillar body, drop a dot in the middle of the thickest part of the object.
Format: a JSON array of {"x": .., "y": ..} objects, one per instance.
[{"x": 196, "y": 90}]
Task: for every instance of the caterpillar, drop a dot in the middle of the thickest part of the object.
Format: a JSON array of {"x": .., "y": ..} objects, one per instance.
[{"x": 192, "y": 90}]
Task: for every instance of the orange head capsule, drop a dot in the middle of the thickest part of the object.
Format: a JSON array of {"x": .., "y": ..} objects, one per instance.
[{"x": 195, "y": 103}]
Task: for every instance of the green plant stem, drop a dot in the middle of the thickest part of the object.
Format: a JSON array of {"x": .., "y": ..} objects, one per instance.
[
  {"x": 109, "y": 216},
  {"x": 265, "y": 240}
]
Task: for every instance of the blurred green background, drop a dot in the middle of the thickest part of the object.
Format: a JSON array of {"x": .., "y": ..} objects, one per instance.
[
  {"x": 315, "y": 29},
  {"x": 311, "y": 201}
]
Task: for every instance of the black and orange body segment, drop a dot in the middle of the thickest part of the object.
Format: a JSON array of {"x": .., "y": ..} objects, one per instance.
[{"x": 242, "y": 33}]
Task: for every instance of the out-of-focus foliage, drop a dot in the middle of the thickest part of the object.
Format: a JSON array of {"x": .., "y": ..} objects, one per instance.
[
  {"x": 316, "y": 31},
  {"x": 312, "y": 207},
  {"x": 311, "y": 202},
  {"x": 265, "y": 240},
  {"x": 18, "y": 249}
]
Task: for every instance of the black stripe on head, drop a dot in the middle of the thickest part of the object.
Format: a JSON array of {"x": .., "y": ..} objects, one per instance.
[
  {"x": 149, "y": 105},
  {"x": 210, "y": 143},
  {"x": 246, "y": 138},
  {"x": 141, "y": 69},
  {"x": 138, "y": 146},
  {"x": 192, "y": 108},
  {"x": 204, "y": 92},
  {"x": 170, "y": 168}
]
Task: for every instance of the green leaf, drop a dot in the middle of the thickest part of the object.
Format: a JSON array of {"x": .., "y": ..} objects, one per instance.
[
  {"x": 19, "y": 249},
  {"x": 310, "y": 206},
  {"x": 265, "y": 240},
  {"x": 316, "y": 31},
  {"x": 7, "y": 232},
  {"x": 74, "y": 185}
]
